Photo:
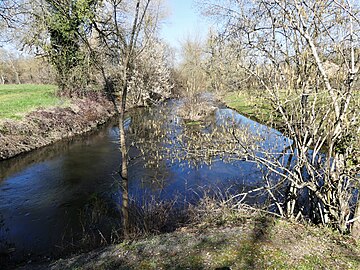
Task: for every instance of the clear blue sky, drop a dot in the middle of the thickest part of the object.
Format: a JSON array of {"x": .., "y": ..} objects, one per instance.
[{"x": 183, "y": 21}]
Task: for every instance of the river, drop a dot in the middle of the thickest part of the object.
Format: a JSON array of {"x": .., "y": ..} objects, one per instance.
[{"x": 55, "y": 199}]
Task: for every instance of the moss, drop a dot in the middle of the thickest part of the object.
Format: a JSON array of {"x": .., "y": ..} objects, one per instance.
[
  {"x": 311, "y": 262},
  {"x": 148, "y": 264},
  {"x": 228, "y": 256},
  {"x": 194, "y": 261},
  {"x": 275, "y": 259}
]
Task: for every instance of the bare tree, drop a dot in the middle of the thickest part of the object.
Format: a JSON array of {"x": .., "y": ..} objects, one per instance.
[
  {"x": 10, "y": 67},
  {"x": 302, "y": 57},
  {"x": 9, "y": 19},
  {"x": 124, "y": 29},
  {"x": 7, "y": 10}
]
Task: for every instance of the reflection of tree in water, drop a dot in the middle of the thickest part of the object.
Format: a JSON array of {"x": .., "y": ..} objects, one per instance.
[
  {"x": 98, "y": 220},
  {"x": 146, "y": 134},
  {"x": 6, "y": 248},
  {"x": 16, "y": 164},
  {"x": 161, "y": 136},
  {"x": 164, "y": 141}
]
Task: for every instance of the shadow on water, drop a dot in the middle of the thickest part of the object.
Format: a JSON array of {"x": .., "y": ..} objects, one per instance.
[
  {"x": 60, "y": 198},
  {"x": 18, "y": 163}
]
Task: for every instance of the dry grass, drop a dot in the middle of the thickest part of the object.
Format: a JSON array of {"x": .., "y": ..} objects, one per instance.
[{"x": 220, "y": 236}]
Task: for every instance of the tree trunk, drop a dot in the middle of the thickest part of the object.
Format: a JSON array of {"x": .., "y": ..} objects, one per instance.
[
  {"x": 355, "y": 229},
  {"x": 124, "y": 161},
  {"x": 17, "y": 77},
  {"x": 124, "y": 177},
  {"x": 290, "y": 205},
  {"x": 123, "y": 147}
]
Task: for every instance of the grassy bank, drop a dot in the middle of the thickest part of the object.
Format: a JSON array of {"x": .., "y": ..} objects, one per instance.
[
  {"x": 17, "y": 100},
  {"x": 251, "y": 106},
  {"x": 257, "y": 108},
  {"x": 222, "y": 237},
  {"x": 32, "y": 126}
]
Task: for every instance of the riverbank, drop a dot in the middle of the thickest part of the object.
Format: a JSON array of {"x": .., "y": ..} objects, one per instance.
[
  {"x": 210, "y": 235},
  {"x": 43, "y": 127},
  {"x": 253, "y": 107},
  {"x": 224, "y": 239},
  {"x": 249, "y": 106}
]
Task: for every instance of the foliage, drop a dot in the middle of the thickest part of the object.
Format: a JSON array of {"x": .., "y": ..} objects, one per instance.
[
  {"x": 151, "y": 76},
  {"x": 59, "y": 30},
  {"x": 191, "y": 67},
  {"x": 66, "y": 23},
  {"x": 222, "y": 65},
  {"x": 130, "y": 54}
]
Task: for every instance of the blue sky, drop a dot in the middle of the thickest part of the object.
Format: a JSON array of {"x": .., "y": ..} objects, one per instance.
[{"x": 184, "y": 20}]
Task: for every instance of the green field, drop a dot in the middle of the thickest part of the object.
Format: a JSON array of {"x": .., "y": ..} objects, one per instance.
[{"x": 17, "y": 100}]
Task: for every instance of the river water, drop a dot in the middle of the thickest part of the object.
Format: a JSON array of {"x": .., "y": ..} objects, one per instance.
[{"x": 51, "y": 198}]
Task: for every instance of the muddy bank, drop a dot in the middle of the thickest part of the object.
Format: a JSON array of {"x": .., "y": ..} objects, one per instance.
[{"x": 46, "y": 126}]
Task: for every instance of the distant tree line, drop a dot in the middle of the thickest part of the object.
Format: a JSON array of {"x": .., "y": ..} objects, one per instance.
[{"x": 24, "y": 70}]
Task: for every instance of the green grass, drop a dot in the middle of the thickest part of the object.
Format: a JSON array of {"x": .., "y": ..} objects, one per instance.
[
  {"x": 259, "y": 109},
  {"x": 17, "y": 100},
  {"x": 251, "y": 106},
  {"x": 193, "y": 123}
]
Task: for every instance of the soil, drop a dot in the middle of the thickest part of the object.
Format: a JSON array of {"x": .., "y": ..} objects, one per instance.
[{"x": 46, "y": 126}]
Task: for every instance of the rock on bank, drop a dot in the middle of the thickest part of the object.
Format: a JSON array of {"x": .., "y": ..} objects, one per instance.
[{"x": 46, "y": 126}]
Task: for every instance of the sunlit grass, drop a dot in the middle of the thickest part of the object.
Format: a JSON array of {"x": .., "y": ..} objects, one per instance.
[
  {"x": 17, "y": 100},
  {"x": 249, "y": 105}
]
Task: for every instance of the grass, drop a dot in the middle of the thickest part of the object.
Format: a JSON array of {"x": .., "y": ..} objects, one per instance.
[
  {"x": 259, "y": 109},
  {"x": 193, "y": 123},
  {"x": 253, "y": 240},
  {"x": 18, "y": 100},
  {"x": 283, "y": 245},
  {"x": 251, "y": 106}
]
